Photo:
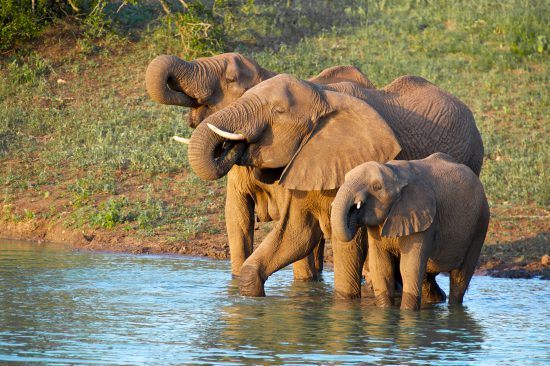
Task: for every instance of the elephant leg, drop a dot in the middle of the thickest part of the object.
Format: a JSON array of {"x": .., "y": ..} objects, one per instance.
[
  {"x": 365, "y": 270},
  {"x": 381, "y": 270},
  {"x": 431, "y": 292},
  {"x": 310, "y": 268},
  {"x": 319, "y": 256},
  {"x": 460, "y": 278},
  {"x": 414, "y": 257},
  {"x": 239, "y": 221},
  {"x": 304, "y": 269},
  {"x": 348, "y": 264},
  {"x": 293, "y": 238}
]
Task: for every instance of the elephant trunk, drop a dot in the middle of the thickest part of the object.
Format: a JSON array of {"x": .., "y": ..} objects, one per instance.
[
  {"x": 343, "y": 216},
  {"x": 211, "y": 152},
  {"x": 167, "y": 70}
]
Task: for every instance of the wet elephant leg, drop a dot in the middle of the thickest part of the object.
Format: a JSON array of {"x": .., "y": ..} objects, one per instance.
[
  {"x": 381, "y": 270},
  {"x": 460, "y": 278},
  {"x": 414, "y": 257},
  {"x": 239, "y": 221},
  {"x": 293, "y": 238},
  {"x": 319, "y": 256},
  {"x": 431, "y": 292},
  {"x": 310, "y": 268},
  {"x": 348, "y": 263}
]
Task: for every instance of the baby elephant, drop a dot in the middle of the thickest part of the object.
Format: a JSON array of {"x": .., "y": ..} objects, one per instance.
[{"x": 431, "y": 214}]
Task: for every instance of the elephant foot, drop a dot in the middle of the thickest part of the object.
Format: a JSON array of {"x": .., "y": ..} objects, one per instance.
[
  {"x": 304, "y": 270},
  {"x": 410, "y": 301},
  {"x": 367, "y": 290},
  {"x": 250, "y": 282},
  {"x": 307, "y": 277},
  {"x": 384, "y": 301},
  {"x": 431, "y": 292}
]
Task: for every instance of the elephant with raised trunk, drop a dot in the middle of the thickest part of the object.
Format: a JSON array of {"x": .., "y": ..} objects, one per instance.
[
  {"x": 308, "y": 137},
  {"x": 431, "y": 215},
  {"x": 207, "y": 85}
]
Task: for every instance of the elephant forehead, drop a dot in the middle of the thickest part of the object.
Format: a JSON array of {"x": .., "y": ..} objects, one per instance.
[
  {"x": 281, "y": 87},
  {"x": 369, "y": 170}
]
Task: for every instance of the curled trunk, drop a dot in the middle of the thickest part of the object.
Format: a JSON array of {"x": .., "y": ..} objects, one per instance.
[
  {"x": 167, "y": 70},
  {"x": 344, "y": 216},
  {"x": 211, "y": 156}
]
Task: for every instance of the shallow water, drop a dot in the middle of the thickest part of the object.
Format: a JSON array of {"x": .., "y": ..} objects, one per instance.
[{"x": 61, "y": 306}]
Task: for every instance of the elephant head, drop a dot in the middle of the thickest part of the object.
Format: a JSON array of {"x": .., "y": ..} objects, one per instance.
[
  {"x": 309, "y": 136},
  {"x": 390, "y": 195},
  {"x": 205, "y": 85}
]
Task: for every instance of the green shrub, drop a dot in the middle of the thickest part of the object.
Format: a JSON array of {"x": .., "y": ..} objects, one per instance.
[
  {"x": 17, "y": 22},
  {"x": 110, "y": 214},
  {"x": 30, "y": 71},
  {"x": 194, "y": 32}
]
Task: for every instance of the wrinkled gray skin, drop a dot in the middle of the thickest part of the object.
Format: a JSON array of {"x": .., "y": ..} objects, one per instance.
[
  {"x": 209, "y": 84},
  {"x": 431, "y": 215},
  {"x": 314, "y": 136}
]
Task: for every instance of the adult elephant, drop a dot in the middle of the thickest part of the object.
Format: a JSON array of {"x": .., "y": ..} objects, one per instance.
[
  {"x": 308, "y": 137},
  {"x": 207, "y": 85}
]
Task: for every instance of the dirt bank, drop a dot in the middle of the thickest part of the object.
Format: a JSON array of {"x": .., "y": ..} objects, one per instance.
[{"x": 525, "y": 256}]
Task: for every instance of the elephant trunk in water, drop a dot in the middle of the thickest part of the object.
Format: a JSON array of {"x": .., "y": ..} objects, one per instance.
[
  {"x": 344, "y": 215},
  {"x": 167, "y": 70}
]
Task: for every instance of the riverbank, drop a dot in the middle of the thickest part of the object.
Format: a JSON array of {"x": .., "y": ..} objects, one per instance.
[{"x": 520, "y": 255}]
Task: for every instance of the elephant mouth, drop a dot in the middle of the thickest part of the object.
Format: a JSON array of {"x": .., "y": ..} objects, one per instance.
[
  {"x": 354, "y": 213},
  {"x": 229, "y": 150}
]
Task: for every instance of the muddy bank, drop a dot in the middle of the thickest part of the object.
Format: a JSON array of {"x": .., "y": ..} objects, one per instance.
[{"x": 525, "y": 258}]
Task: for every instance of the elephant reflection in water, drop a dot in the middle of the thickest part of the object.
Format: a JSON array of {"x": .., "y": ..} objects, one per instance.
[{"x": 291, "y": 323}]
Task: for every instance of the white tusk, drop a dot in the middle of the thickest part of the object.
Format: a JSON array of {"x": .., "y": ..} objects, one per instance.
[
  {"x": 227, "y": 135},
  {"x": 181, "y": 139},
  {"x": 358, "y": 205}
]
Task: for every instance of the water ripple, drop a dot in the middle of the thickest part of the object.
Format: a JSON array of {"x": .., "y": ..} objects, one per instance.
[{"x": 59, "y": 306}]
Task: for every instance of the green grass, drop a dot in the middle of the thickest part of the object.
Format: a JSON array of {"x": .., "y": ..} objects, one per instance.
[{"x": 98, "y": 130}]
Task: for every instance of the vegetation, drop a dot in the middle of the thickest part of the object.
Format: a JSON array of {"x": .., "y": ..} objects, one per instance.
[{"x": 81, "y": 143}]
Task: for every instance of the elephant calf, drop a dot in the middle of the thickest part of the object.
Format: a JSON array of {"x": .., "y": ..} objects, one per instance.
[{"x": 430, "y": 213}]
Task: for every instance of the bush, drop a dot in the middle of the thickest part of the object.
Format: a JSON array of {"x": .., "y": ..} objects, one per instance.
[{"x": 19, "y": 21}]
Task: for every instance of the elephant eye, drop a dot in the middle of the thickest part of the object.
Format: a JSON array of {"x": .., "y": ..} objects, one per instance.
[
  {"x": 278, "y": 109},
  {"x": 376, "y": 187}
]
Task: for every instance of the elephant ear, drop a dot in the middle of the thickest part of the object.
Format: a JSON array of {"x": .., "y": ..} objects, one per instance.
[
  {"x": 351, "y": 134},
  {"x": 413, "y": 212},
  {"x": 242, "y": 71}
]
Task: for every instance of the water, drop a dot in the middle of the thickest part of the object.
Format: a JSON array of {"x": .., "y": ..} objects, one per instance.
[{"x": 60, "y": 306}]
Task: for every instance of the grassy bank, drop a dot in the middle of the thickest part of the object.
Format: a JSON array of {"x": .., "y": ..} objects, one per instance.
[{"x": 83, "y": 147}]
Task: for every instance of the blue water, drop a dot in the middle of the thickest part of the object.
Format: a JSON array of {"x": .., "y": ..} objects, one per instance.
[{"x": 60, "y": 306}]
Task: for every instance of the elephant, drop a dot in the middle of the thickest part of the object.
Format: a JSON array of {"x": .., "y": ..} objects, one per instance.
[
  {"x": 306, "y": 137},
  {"x": 207, "y": 85},
  {"x": 432, "y": 214}
]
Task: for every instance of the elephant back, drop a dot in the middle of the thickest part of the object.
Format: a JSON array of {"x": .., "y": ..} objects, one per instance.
[{"x": 426, "y": 119}]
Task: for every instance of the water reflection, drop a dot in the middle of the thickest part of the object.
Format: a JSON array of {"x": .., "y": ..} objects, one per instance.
[
  {"x": 301, "y": 324},
  {"x": 58, "y": 306}
]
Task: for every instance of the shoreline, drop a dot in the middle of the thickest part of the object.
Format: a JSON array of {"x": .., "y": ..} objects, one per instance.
[{"x": 492, "y": 261}]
